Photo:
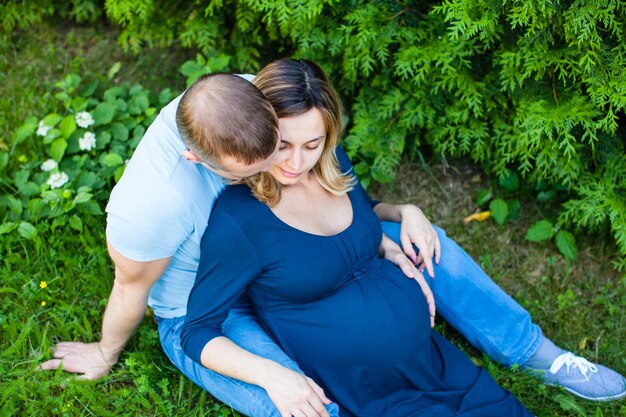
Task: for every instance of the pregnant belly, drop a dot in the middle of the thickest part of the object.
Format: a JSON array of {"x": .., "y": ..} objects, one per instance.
[{"x": 369, "y": 332}]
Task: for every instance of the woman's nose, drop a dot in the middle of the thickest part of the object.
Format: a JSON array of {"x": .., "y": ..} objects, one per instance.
[{"x": 295, "y": 159}]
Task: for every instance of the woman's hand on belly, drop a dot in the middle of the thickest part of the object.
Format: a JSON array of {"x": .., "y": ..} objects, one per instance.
[
  {"x": 292, "y": 393},
  {"x": 393, "y": 253}
]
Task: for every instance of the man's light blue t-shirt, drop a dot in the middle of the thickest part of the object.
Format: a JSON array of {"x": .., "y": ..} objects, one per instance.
[{"x": 160, "y": 209}]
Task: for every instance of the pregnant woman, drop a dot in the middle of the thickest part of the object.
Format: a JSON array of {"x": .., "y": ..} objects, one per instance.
[{"x": 303, "y": 242}]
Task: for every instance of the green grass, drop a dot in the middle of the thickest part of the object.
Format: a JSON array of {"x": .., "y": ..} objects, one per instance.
[{"x": 580, "y": 307}]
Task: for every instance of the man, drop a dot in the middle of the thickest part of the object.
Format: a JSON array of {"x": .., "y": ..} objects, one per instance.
[{"x": 157, "y": 215}]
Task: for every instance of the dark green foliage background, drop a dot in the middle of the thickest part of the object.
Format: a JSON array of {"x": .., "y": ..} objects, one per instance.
[{"x": 534, "y": 86}]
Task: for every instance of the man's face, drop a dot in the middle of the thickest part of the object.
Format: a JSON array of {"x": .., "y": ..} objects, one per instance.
[{"x": 235, "y": 170}]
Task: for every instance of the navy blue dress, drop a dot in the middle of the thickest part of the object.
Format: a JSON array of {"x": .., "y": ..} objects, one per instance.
[{"x": 353, "y": 322}]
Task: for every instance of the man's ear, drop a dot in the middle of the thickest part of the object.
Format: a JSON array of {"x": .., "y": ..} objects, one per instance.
[{"x": 190, "y": 156}]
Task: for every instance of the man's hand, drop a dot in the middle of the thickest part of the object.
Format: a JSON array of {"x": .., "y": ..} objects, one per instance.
[
  {"x": 86, "y": 359},
  {"x": 294, "y": 394},
  {"x": 392, "y": 252},
  {"x": 125, "y": 310},
  {"x": 415, "y": 229}
]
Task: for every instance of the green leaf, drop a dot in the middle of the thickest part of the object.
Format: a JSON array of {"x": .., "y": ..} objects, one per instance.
[
  {"x": 114, "y": 70},
  {"x": 89, "y": 89},
  {"x": 50, "y": 196},
  {"x": 540, "y": 231},
  {"x": 35, "y": 206},
  {"x": 483, "y": 196},
  {"x": 4, "y": 160},
  {"x": 7, "y": 227},
  {"x": 361, "y": 169},
  {"x": 52, "y": 119},
  {"x": 103, "y": 113},
  {"x": 165, "y": 96},
  {"x": 27, "y": 129},
  {"x": 72, "y": 80},
  {"x": 112, "y": 93},
  {"x": 27, "y": 230},
  {"x": 192, "y": 69},
  {"x": 568, "y": 403},
  {"x": 91, "y": 207},
  {"x": 499, "y": 210},
  {"x": 566, "y": 243},
  {"x": 112, "y": 160},
  {"x": 76, "y": 223},
  {"x": 514, "y": 209},
  {"x": 15, "y": 205},
  {"x": 21, "y": 177},
  {"x": 29, "y": 189},
  {"x": 119, "y": 131},
  {"x": 79, "y": 104},
  {"x": 141, "y": 101},
  {"x": 509, "y": 180},
  {"x": 82, "y": 197},
  {"x": 103, "y": 140},
  {"x": 118, "y": 172},
  {"x": 57, "y": 150},
  {"x": 67, "y": 126},
  {"x": 545, "y": 196}
]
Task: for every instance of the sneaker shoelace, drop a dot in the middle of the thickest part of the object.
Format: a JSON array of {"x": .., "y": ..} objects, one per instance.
[{"x": 569, "y": 359}]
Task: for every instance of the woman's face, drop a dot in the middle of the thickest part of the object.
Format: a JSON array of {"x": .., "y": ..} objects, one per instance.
[{"x": 301, "y": 144}]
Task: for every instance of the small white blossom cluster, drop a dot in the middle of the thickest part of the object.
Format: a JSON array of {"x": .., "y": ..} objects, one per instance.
[
  {"x": 49, "y": 165},
  {"x": 42, "y": 129},
  {"x": 87, "y": 142},
  {"x": 58, "y": 180},
  {"x": 83, "y": 119}
]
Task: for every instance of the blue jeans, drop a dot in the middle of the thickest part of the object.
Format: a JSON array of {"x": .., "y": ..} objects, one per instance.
[
  {"x": 242, "y": 327},
  {"x": 465, "y": 297}
]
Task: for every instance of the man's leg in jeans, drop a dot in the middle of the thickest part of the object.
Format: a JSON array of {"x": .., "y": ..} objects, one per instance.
[
  {"x": 493, "y": 322},
  {"x": 241, "y": 327}
]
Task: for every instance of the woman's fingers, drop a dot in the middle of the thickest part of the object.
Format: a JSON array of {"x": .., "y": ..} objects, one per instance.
[
  {"x": 430, "y": 298},
  {"x": 320, "y": 392},
  {"x": 405, "y": 265},
  {"x": 407, "y": 247}
]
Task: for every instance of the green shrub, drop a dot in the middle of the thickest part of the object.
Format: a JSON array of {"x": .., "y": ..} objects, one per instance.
[
  {"x": 20, "y": 14},
  {"x": 536, "y": 87},
  {"x": 73, "y": 157}
]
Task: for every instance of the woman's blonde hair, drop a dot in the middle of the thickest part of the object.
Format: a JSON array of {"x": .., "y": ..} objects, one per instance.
[{"x": 293, "y": 87}]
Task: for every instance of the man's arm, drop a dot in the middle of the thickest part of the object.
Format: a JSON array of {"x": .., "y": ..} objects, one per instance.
[
  {"x": 125, "y": 310},
  {"x": 415, "y": 229}
]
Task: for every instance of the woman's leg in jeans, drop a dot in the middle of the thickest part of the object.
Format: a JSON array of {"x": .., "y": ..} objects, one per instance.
[{"x": 241, "y": 327}]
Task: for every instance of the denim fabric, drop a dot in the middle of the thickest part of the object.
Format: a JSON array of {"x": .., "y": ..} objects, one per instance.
[
  {"x": 480, "y": 310},
  {"x": 242, "y": 328}
]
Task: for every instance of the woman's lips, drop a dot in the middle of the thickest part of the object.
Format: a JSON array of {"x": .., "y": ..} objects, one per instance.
[{"x": 289, "y": 174}]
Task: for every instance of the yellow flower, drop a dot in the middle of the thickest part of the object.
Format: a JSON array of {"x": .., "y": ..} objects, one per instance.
[
  {"x": 43, "y": 284},
  {"x": 22, "y": 158},
  {"x": 43, "y": 303},
  {"x": 482, "y": 216},
  {"x": 67, "y": 194}
]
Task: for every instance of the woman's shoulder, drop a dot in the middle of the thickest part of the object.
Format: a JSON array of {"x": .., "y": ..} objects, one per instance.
[
  {"x": 239, "y": 202},
  {"x": 344, "y": 161}
]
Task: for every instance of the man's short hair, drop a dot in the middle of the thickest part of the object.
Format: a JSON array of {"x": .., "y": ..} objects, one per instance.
[{"x": 225, "y": 115}]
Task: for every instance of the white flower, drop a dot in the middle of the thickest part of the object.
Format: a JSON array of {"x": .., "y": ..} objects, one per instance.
[
  {"x": 58, "y": 180},
  {"x": 49, "y": 165},
  {"x": 87, "y": 142},
  {"x": 42, "y": 129},
  {"x": 83, "y": 119}
]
